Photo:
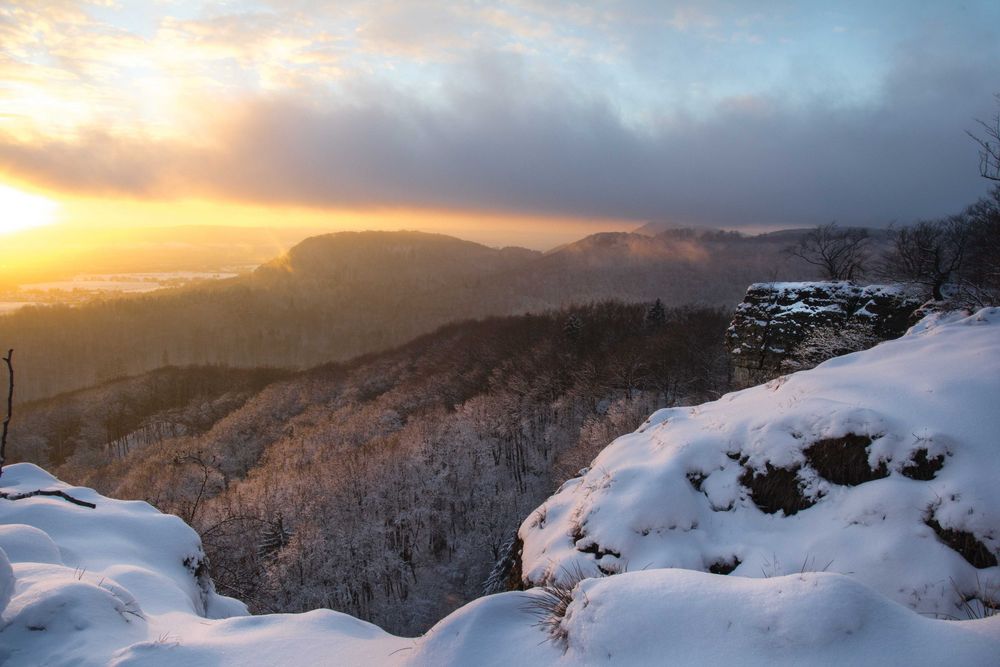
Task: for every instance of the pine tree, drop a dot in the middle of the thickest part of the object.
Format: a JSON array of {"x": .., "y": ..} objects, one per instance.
[
  {"x": 573, "y": 327},
  {"x": 656, "y": 316}
]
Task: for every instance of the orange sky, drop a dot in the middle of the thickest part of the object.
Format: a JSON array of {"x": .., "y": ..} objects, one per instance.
[{"x": 32, "y": 207}]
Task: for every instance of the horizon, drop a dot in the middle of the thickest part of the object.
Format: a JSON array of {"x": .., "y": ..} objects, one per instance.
[{"x": 53, "y": 253}]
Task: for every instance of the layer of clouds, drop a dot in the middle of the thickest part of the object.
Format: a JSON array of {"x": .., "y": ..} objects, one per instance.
[{"x": 503, "y": 133}]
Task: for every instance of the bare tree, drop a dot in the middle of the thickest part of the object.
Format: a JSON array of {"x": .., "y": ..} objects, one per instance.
[
  {"x": 840, "y": 253},
  {"x": 9, "y": 360},
  {"x": 981, "y": 270},
  {"x": 989, "y": 146},
  {"x": 929, "y": 253}
]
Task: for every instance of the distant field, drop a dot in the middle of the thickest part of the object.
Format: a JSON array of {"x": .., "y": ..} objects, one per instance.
[{"x": 85, "y": 287}]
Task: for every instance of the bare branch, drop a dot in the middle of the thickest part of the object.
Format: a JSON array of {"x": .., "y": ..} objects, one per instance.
[
  {"x": 930, "y": 253},
  {"x": 989, "y": 147},
  {"x": 841, "y": 253},
  {"x": 45, "y": 492}
]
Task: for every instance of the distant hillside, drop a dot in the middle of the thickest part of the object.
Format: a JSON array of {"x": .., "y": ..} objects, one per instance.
[
  {"x": 376, "y": 260},
  {"x": 336, "y": 296},
  {"x": 876, "y": 234},
  {"x": 654, "y": 228},
  {"x": 678, "y": 266},
  {"x": 133, "y": 412}
]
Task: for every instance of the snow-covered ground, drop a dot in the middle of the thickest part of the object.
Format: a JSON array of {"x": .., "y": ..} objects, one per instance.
[
  {"x": 120, "y": 584},
  {"x": 865, "y": 465},
  {"x": 127, "y": 282}
]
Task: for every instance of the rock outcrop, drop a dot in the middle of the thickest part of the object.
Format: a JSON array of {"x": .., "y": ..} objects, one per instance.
[{"x": 775, "y": 319}]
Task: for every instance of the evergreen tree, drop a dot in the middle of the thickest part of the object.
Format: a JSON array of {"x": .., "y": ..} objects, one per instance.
[
  {"x": 656, "y": 316},
  {"x": 573, "y": 327}
]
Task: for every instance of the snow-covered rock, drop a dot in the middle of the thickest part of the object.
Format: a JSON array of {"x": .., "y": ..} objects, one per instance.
[
  {"x": 85, "y": 581},
  {"x": 774, "y": 318},
  {"x": 882, "y": 465}
]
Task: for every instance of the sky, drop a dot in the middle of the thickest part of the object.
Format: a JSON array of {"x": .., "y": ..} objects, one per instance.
[{"x": 523, "y": 121}]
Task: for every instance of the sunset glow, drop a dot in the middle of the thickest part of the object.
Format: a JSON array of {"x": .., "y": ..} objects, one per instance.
[
  {"x": 561, "y": 120},
  {"x": 21, "y": 210}
]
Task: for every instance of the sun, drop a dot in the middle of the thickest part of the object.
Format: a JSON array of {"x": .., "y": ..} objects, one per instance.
[{"x": 22, "y": 210}]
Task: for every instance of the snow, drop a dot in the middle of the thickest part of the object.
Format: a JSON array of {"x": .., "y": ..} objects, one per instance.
[
  {"x": 6, "y": 581},
  {"x": 682, "y": 617},
  {"x": 120, "y": 584},
  {"x": 810, "y": 618},
  {"x": 835, "y": 286},
  {"x": 936, "y": 389},
  {"x": 125, "y": 282},
  {"x": 83, "y": 576}
]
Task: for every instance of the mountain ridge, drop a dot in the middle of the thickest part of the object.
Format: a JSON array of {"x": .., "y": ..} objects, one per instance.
[{"x": 357, "y": 292}]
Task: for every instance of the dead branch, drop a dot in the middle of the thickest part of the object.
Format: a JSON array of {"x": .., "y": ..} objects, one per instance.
[
  {"x": 989, "y": 146},
  {"x": 47, "y": 492}
]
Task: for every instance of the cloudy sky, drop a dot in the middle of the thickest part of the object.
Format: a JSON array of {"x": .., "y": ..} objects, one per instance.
[{"x": 533, "y": 112}]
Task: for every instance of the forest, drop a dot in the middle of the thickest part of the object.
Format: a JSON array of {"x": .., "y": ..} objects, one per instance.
[{"x": 386, "y": 487}]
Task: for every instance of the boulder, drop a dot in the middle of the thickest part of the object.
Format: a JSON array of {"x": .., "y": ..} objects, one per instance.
[{"x": 775, "y": 318}]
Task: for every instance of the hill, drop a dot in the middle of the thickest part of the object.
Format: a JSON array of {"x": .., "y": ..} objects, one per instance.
[{"x": 337, "y": 296}]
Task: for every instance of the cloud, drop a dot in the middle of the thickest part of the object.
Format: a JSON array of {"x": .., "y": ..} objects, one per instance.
[{"x": 501, "y": 130}]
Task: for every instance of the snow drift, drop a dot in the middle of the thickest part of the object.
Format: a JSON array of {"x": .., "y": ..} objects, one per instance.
[
  {"x": 123, "y": 584},
  {"x": 882, "y": 464}
]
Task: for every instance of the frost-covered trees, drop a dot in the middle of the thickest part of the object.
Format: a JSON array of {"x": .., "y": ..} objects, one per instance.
[
  {"x": 399, "y": 477},
  {"x": 274, "y": 537}
]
